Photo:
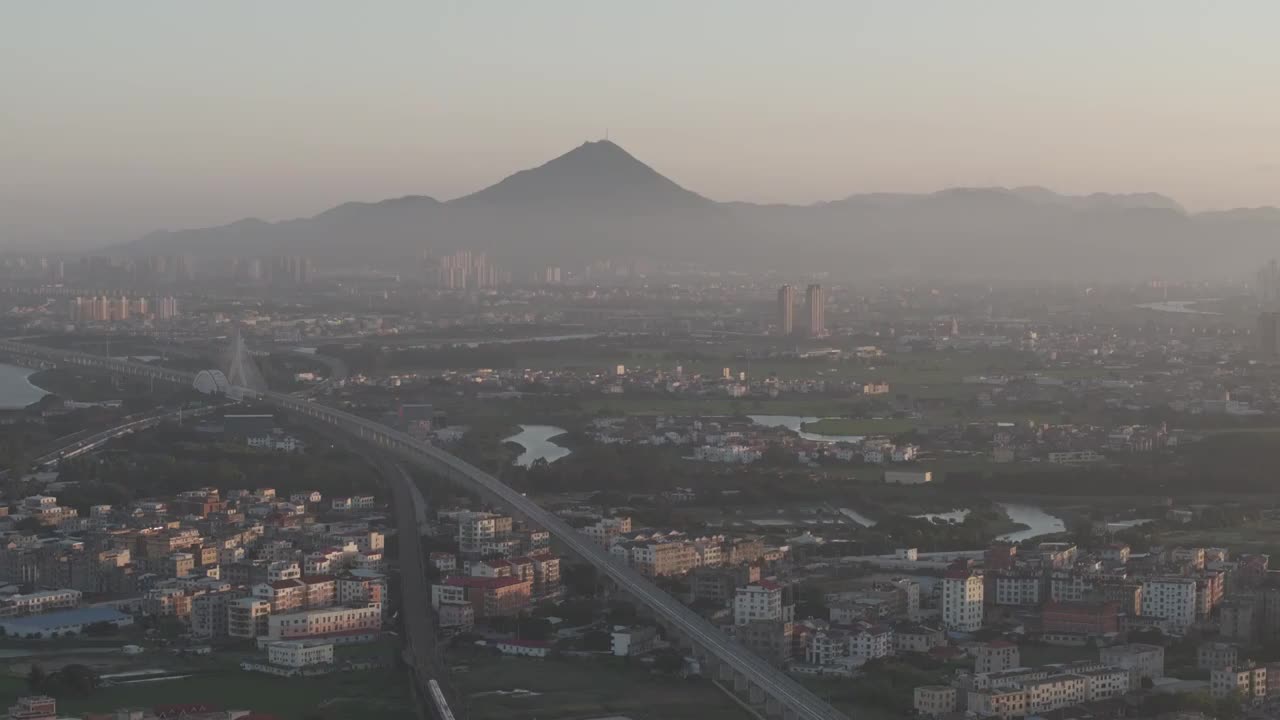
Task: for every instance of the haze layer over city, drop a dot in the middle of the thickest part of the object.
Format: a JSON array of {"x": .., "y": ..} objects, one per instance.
[{"x": 663, "y": 361}]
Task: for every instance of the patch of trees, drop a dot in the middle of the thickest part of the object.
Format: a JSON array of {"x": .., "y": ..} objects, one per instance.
[{"x": 74, "y": 679}]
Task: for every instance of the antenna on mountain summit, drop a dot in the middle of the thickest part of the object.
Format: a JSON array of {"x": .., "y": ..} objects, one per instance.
[{"x": 606, "y": 133}]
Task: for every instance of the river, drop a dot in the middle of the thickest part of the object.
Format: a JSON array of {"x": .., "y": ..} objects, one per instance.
[
  {"x": 1038, "y": 522},
  {"x": 1181, "y": 307},
  {"x": 15, "y": 390},
  {"x": 536, "y": 441}
]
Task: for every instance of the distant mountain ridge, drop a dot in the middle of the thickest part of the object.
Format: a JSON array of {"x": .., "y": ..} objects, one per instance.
[{"x": 597, "y": 201}]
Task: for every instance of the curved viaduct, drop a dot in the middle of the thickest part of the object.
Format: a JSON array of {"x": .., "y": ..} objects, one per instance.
[{"x": 758, "y": 682}]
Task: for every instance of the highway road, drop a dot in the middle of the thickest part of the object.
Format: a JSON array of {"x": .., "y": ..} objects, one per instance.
[
  {"x": 88, "y": 442},
  {"x": 797, "y": 700},
  {"x": 415, "y": 591}
]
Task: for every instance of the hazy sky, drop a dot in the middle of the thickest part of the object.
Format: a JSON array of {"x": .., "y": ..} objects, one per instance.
[{"x": 122, "y": 117}]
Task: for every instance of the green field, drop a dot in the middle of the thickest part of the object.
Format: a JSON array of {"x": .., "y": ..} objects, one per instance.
[
  {"x": 655, "y": 404},
  {"x": 370, "y": 695},
  {"x": 857, "y": 426},
  {"x": 586, "y": 688},
  {"x": 1257, "y": 536}
]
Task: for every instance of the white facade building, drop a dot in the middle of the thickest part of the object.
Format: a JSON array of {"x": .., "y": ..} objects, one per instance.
[
  {"x": 962, "y": 601},
  {"x": 1173, "y": 599}
]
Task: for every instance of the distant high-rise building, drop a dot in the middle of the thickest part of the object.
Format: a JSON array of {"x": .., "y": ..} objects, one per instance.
[
  {"x": 463, "y": 270},
  {"x": 166, "y": 308},
  {"x": 1268, "y": 289},
  {"x": 817, "y": 302},
  {"x": 786, "y": 310},
  {"x": 1269, "y": 334}
]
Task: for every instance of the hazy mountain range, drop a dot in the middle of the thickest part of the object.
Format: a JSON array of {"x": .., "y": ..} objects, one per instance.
[{"x": 598, "y": 201}]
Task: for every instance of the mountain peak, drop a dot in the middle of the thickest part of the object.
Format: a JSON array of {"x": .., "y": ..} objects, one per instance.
[{"x": 598, "y": 174}]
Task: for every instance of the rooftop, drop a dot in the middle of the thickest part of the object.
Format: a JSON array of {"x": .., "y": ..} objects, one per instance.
[{"x": 82, "y": 616}]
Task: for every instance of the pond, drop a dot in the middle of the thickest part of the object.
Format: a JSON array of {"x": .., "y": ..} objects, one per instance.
[{"x": 536, "y": 441}]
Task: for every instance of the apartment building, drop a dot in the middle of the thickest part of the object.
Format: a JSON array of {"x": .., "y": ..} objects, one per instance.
[
  {"x": 773, "y": 640},
  {"x": 340, "y": 624},
  {"x": 38, "y": 602},
  {"x": 1248, "y": 683},
  {"x": 825, "y": 647},
  {"x": 1116, "y": 554},
  {"x": 248, "y": 617},
  {"x": 662, "y": 559},
  {"x": 168, "y": 602},
  {"x": 871, "y": 641},
  {"x": 1192, "y": 557},
  {"x": 296, "y": 654},
  {"x": 1069, "y": 586},
  {"x": 1127, "y": 596},
  {"x": 1006, "y": 703},
  {"x": 477, "y": 529},
  {"x": 1210, "y": 589},
  {"x": 933, "y": 700},
  {"x": 1235, "y": 619},
  {"x": 996, "y": 656},
  {"x": 962, "y": 594},
  {"x": 284, "y": 596},
  {"x": 489, "y": 597},
  {"x": 1056, "y": 691},
  {"x": 1217, "y": 656},
  {"x": 1015, "y": 588},
  {"x": 362, "y": 586},
  {"x": 605, "y": 530},
  {"x": 210, "y": 613},
  {"x": 1106, "y": 682},
  {"x": 760, "y": 601},
  {"x": 917, "y": 638},
  {"x": 1172, "y": 599},
  {"x": 443, "y": 562},
  {"x": 1140, "y": 660},
  {"x": 455, "y": 617}
]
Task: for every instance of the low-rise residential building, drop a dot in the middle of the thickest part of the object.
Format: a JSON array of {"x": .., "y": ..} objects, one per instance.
[
  {"x": 489, "y": 596},
  {"x": 1056, "y": 691},
  {"x": 1017, "y": 588},
  {"x": 869, "y": 641},
  {"x": 632, "y": 641},
  {"x": 455, "y": 616},
  {"x": 1141, "y": 660},
  {"x": 915, "y": 638},
  {"x": 1217, "y": 656},
  {"x": 933, "y": 700},
  {"x": 38, "y": 602},
  {"x": 338, "y": 624},
  {"x": 297, "y": 654},
  {"x": 1005, "y": 703},
  {"x": 1248, "y": 683},
  {"x": 247, "y": 617},
  {"x": 996, "y": 656}
]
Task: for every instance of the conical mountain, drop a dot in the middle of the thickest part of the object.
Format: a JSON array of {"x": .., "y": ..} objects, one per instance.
[{"x": 593, "y": 176}]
